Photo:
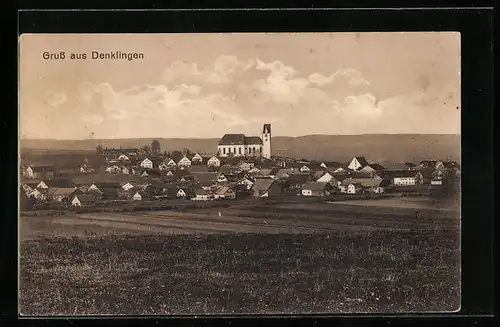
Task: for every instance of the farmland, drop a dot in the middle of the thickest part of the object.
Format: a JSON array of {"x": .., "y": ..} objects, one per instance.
[{"x": 275, "y": 257}]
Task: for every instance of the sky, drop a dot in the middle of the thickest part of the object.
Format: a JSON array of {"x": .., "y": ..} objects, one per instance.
[{"x": 207, "y": 85}]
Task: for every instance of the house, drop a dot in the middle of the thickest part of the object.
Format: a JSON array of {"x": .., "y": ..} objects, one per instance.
[
  {"x": 266, "y": 188},
  {"x": 245, "y": 165},
  {"x": 360, "y": 185},
  {"x": 213, "y": 162},
  {"x": 203, "y": 195},
  {"x": 170, "y": 163},
  {"x": 316, "y": 189},
  {"x": 297, "y": 180},
  {"x": 339, "y": 169},
  {"x": 403, "y": 178},
  {"x": 254, "y": 171},
  {"x": 184, "y": 193},
  {"x": 441, "y": 165},
  {"x": 123, "y": 157},
  {"x": 206, "y": 180},
  {"x": 350, "y": 187},
  {"x": 82, "y": 200},
  {"x": 305, "y": 169},
  {"x": 245, "y": 182},
  {"x": 163, "y": 166},
  {"x": 42, "y": 185},
  {"x": 224, "y": 192},
  {"x": 40, "y": 171},
  {"x": 184, "y": 162},
  {"x": 357, "y": 163},
  {"x": 197, "y": 159},
  {"x": 146, "y": 163},
  {"x": 86, "y": 169},
  {"x": 323, "y": 165},
  {"x": 238, "y": 145},
  {"x": 405, "y": 166},
  {"x": 99, "y": 187},
  {"x": 424, "y": 176},
  {"x": 326, "y": 178},
  {"x": 60, "y": 194},
  {"x": 57, "y": 182},
  {"x": 127, "y": 186},
  {"x": 37, "y": 195},
  {"x": 284, "y": 173},
  {"x": 428, "y": 163},
  {"x": 371, "y": 168},
  {"x": 114, "y": 169},
  {"x": 221, "y": 178}
]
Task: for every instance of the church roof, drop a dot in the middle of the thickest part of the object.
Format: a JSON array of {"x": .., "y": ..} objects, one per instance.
[{"x": 239, "y": 139}]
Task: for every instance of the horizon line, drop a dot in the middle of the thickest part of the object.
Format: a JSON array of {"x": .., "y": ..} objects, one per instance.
[{"x": 208, "y": 138}]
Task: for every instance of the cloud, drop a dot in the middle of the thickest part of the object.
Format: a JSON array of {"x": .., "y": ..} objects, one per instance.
[
  {"x": 352, "y": 76},
  {"x": 54, "y": 99}
]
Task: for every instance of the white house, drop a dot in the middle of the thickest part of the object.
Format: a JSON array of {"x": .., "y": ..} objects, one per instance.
[
  {"x": 82, "y": 199},
  {"x": 127, "y": 186},
  {"x": 171, "y": 163},
  {"x": 326, "y": 178},
  {"x": 357, "y": 163},
  {"x": 169, "y": 173},
  {"x": 338, "y": 170},
  {"x": 315, "y": 189},
  {"x": 184, "y": 162},
  {"x": 113, "y": 169},
  {"x": 405, "y": 178},
  {"x": 163, "y": 166},
  {"x": 197, "y": 158},
  {"x": 323, "y": 165},
  {"x": 123, "y": 157},
  {"x": 203, "y": 195},
  {"x": 245, "y": 181},
  {"x": 37, "y": 195},
  {"x": 137, "y": 196},
  {"x": 42, "y": 185},
  {"x": 224, "y": 192},
  {"x": 146, "y": 163},
  {"x": 181, "y": 193},
  {"x": 305, "y": 169},
  {"x": 213, "y": 162},
  {"x": 221, "y": 178}
]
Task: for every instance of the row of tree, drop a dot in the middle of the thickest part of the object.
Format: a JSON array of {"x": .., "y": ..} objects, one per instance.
[{"x": 155, "y": 149}]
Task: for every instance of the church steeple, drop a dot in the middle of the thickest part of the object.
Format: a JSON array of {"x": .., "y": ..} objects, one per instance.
[{"x": 266, "y": 141}]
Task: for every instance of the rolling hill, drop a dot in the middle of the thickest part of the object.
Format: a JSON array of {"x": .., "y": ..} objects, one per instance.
[{"x": 376, "y": 147}]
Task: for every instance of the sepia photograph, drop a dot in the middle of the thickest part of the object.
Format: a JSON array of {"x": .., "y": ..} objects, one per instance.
[{"x": 239, "y": 173}]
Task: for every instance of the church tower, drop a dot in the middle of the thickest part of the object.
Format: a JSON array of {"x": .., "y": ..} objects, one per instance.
[{"x": 266, "y": 141}]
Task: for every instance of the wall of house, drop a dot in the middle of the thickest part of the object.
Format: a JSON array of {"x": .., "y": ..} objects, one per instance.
[
  {"x": 239, "y": 150},
  {"x": 404, "y": 181}
]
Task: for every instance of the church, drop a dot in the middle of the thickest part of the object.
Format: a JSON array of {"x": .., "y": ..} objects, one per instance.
[{"x": 239, "y": 145}]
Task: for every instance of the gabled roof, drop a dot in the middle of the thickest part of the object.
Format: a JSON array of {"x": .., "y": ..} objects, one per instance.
[
  {"x": 85, "y": 198},
  {"x": 206, "y": 178},
  {"x": 251, "y": 140},
  {"x": 296, "y": 178},
  {"x": 262, "y": 184},
  {"x": 232, "y": 139},
  {"x": 314, "y": 186},
  {"x": 376, "y": 166},
  {"x": 60, "y": 191},
  {"x": 396, "y": 174},
  {"x": 426, "y": 172},
  {"x": 364, "y": 182},
  {"x": 42, "y": 168},
  {"x": 362, "y": 161},
  {"x": 60, "y": 182},
  {"x": 428, "y": 163},
  {"x": 223, "y": 190},
  {"x": 106, "y": 185}
]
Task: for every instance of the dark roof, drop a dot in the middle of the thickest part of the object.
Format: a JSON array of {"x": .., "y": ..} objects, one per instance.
[
  {"x": 42, "y": 168},
  {"x": 426, "y": 172},
  {"x": 428, "y": 162},
  {"x": 85, "y": 198},
  {"x": 198, "y": 169},
  {"x": 232, "y": 139},
  {"x": 239, "y": 139},
  {"x": 314, "y": 186},
  {"x": 253, "y": 140},
  {"x": 376, "y": 166},
  {"x": 107, "y": 185},
  {"x": 296, "y": 178},
  {"x": 60, "y": 182},
  {"x": 262, "y": 184},
  {"x": 395, "y": 174},
  {"x": 362, "y": 161},
  {"x": 205, "y": 179},
  {"x": 364, "y": 182}
]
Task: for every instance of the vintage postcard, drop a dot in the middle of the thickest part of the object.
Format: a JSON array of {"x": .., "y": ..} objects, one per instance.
[{"x": 251, "y": 173}]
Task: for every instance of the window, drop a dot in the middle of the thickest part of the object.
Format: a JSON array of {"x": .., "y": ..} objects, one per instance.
[
  {"x": 239, "y": 150},
  {"x": 224, "y": 150}
]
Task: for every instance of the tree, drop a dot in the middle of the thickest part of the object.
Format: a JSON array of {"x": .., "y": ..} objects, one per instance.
[
  {"x": 146, "y": 149},
  {"x": 99, "y": 149},
  {"x": 155, "y": 146}
]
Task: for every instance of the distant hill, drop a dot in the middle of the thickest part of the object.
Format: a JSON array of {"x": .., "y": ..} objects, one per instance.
[{"x": 376, "y": 147}]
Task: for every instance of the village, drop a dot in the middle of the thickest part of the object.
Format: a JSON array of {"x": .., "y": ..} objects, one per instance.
[{"x": 242, "y": 168}]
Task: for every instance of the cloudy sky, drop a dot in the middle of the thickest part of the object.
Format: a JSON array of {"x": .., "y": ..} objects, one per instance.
[{"x": 206, "y": 85}]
